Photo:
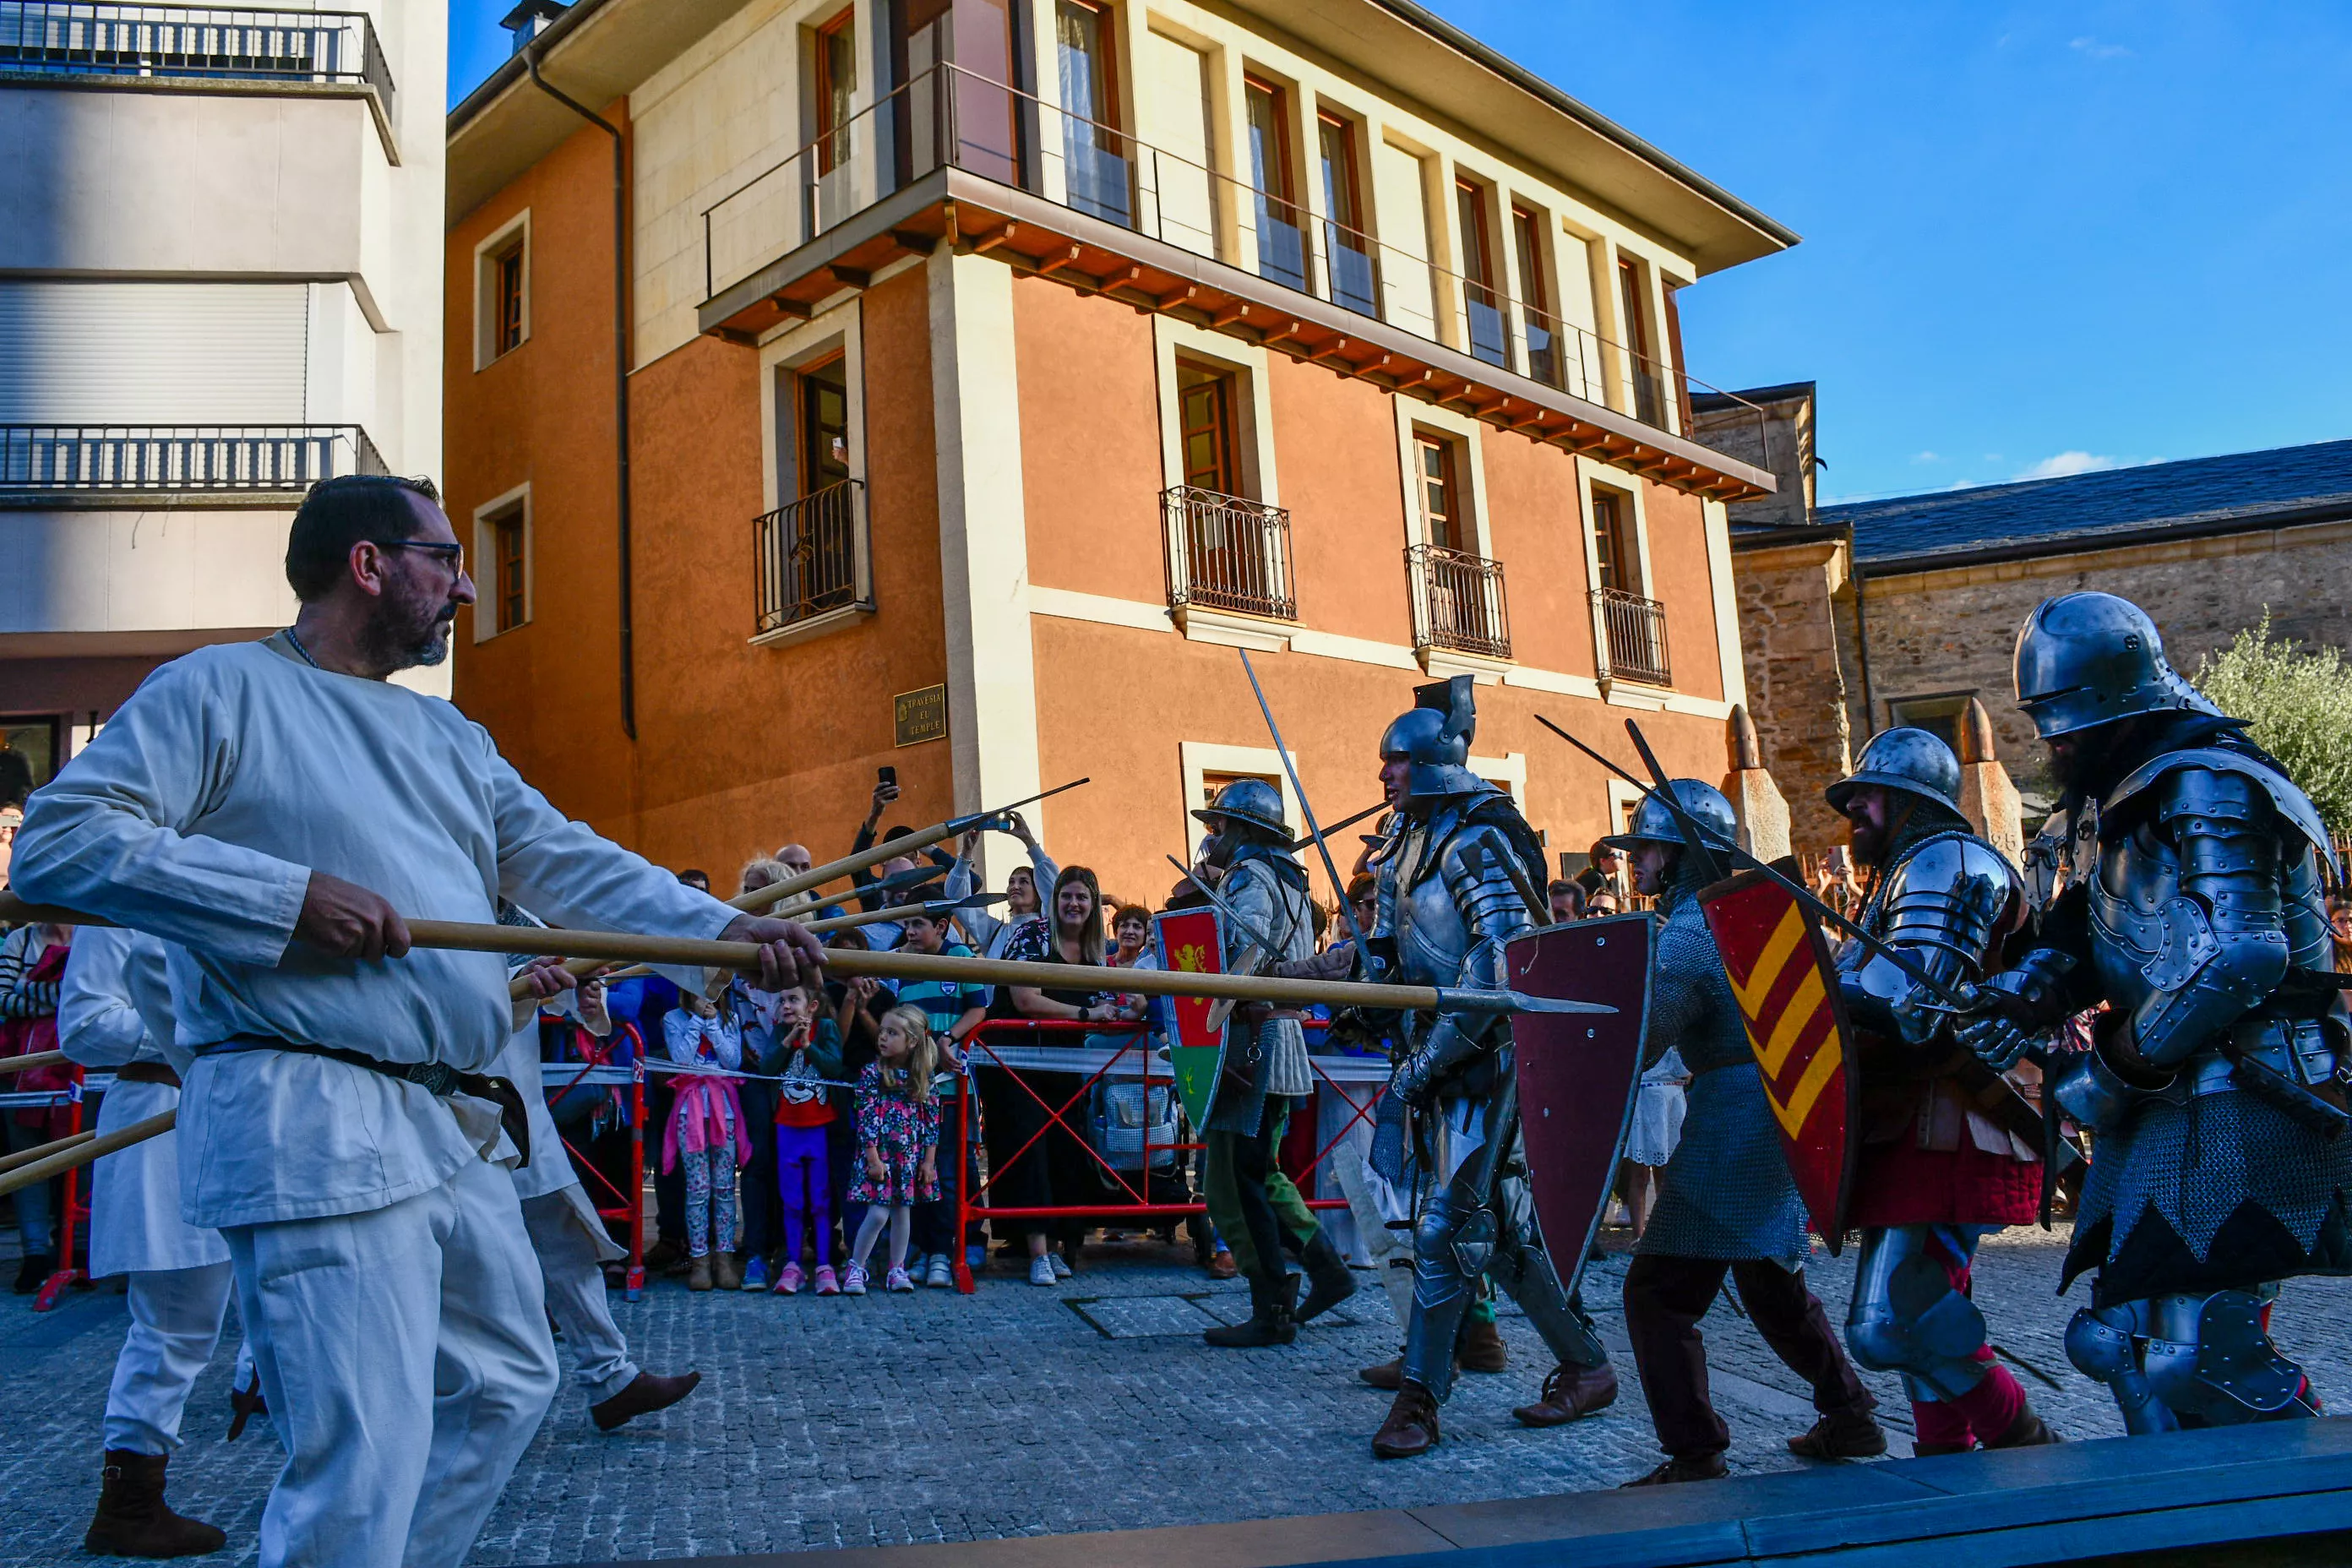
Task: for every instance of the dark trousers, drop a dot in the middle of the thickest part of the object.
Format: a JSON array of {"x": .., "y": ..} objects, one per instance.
[
  {"x": 1032, "y": 1162},
  {"x": 1253, "y": 1156},
  {"x": 935, "y": 1222},
  {"x": 1664, "y": 1299},
  {"x": 669, "y": 1186},
  {"x": 763, "y": 1204}
]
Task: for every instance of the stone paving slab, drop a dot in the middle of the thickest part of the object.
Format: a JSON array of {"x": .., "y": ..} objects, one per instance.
[{"x": 937, "y": 1418}]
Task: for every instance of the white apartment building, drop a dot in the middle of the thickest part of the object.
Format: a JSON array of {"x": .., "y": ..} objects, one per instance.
[{"x": 219, "y": 281}]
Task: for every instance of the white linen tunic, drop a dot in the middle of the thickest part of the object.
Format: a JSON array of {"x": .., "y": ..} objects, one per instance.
[
  {"x": 113, "y": 1003},
  {"x": 198, "y": 813}
]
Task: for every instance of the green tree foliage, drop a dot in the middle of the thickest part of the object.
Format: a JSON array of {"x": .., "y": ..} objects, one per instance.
[{"x": 2298, "y": 701}]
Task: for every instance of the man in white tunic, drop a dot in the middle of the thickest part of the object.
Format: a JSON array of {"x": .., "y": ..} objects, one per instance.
[
  {"x": 114, "y": 1011},
  {"x": 566, "y": 1232},
  {"x": 274, "y": 810}
]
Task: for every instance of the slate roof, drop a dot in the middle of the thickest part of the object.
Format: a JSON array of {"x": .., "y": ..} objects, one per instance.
[{"x": 2241, "y": 491}]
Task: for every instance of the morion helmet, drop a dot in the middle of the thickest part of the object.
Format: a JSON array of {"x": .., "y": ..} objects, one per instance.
[
  {"x": 2085, "y": 659},
  {"x": 1252, "y": 802},
  {"x": 1903, "y": 759},
  {"x": 1654, "y": 824},
  {"x": 1435, "y": 736}
]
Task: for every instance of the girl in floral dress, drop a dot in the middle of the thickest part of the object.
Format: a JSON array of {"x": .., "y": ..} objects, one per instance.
[{"x": 897, "y": 1140}]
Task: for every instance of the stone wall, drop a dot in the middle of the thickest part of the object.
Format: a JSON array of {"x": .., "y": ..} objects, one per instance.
[
  {"x": 1955, "y": 631},
  {"x": 1797, "y": 682}
]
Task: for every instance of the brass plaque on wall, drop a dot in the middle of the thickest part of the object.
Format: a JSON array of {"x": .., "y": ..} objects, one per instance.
[{"x": 920, "y": 716}]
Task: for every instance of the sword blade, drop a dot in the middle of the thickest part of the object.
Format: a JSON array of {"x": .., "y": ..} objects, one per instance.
[{"x": 1331, "y": 868}]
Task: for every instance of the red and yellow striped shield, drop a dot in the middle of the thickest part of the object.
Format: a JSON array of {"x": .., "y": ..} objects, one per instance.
[{"x": 1780, "y": 971}]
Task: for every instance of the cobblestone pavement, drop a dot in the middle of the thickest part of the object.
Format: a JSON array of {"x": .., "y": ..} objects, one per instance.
[{"x": 1018, "y": 1411}]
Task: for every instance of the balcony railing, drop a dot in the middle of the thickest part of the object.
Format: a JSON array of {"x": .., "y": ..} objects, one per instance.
[
  {"x": 950, "y": 117},
  {"x": 812, "y": 557},
  {"x": 48, "y": 458},
  {"x": 1457, "y": 602},
  {"x": 79, "y": 37},
  {"x": 1227, "y": 554},
  {"x": 1632, "y": 637}
]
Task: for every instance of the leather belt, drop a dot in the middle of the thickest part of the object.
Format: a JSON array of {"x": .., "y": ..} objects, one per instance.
[
  {"x": 147, "y": 1072},
  {"x": 435, "y": 1077}
]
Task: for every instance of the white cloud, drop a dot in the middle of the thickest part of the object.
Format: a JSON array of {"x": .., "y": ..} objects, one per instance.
[
  {"x": 2097, "y": 50},
  {"x": 1928, "y": 457},
  {"x": 2066, "y": 463}
]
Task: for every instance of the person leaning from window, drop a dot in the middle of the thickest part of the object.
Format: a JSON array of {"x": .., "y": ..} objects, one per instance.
[{"x": 1066, "y": 1172}]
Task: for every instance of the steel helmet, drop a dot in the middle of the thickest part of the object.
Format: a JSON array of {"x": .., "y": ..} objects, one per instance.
[
  {"x": 1903, "y": 759},
  {"x": 1435, "y": 736},
  {"x": 1654, "y": 824},
  {"x": 2086, "y": 659},
  {"x": 1253, "y": 801}
]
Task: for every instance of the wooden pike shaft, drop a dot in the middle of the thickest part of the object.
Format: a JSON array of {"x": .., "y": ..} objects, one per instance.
[
  {"x": 596, "y": 948},
  {"x": 97, "y": 1148},
  {"x": 26, "y": 1156},
  {"x": 822, "y": 928},
  {"x": 26, "y": 1064}
]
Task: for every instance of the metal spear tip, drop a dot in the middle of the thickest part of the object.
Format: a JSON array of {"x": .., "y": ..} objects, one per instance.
[{"x": 1451, "y": 1000}]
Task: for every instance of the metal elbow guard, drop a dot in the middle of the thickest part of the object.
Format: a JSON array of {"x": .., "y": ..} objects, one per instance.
[{"x": 2203, "y": 980}]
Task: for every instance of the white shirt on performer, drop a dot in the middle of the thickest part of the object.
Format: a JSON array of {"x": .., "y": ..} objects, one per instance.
[{"x": 198, "y": 813}]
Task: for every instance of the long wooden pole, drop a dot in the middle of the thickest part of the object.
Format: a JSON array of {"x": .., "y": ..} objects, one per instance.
[
  {"x": 889, "y": 849},
  {"x": 26, "y": 1064},
  {"x": 97, "y": 1148},
  {"x": 26, "y": 1156}
]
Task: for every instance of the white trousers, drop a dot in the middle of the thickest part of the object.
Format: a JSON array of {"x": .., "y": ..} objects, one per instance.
[
  {"x": 176, "y": 1322},
  {"x": 405, "y": 1357},
  {"x": 569, "y": 1261}
]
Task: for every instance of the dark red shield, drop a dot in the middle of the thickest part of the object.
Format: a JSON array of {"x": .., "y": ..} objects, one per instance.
[
  {"x": 1781, "y": 976},
  {"x": 1579, "y": 1072}
]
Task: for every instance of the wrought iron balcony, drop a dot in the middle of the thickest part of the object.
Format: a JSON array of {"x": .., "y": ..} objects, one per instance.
[
  {"x": 1457, "y": 602},
  {"x": 1632, "y": 637},
  {"x": 197, "y": 459},
  {"x": 1227, "y": 554},
  {"x": 812, "y": 557},
  {"x": 79, "y": 37}
]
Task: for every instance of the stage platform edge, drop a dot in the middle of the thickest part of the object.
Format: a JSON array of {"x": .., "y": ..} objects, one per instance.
[{"x": 2253, "y": 1487}]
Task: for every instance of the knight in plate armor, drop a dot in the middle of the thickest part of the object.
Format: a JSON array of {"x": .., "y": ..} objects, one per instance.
[
  {"x": 1457, "y": 881},
  {"x": 2212, "y": 1087},
  {"x": 1264, "y": 1072},
  {"x": 1727, "y": 1204},
  {"x": 1949, "y": 1150}
]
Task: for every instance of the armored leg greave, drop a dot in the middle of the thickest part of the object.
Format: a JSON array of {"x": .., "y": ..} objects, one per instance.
[
  {"x": 1522, "y": 1267},
  {"x": 1907, "y": 1318},
  {"x": 2207, "y": 1358}
]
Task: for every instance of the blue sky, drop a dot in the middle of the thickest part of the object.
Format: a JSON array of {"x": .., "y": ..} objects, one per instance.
[{"x": 2038, "y": 238}]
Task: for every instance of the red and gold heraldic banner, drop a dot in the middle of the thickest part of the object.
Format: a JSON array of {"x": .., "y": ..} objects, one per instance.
[
  {"x": 1193, "y": 942},
  {"x": 1781, "y": 972}
]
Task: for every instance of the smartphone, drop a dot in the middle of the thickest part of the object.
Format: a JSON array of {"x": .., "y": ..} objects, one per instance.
[{"x": 888, "y": 776}]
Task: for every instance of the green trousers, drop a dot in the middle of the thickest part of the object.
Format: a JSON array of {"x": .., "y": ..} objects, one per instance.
[{"x": 1295, "y": 1220}]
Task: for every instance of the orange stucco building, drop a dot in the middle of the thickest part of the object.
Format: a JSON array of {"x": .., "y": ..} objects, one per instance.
[{"x": 1011, "y": 362}]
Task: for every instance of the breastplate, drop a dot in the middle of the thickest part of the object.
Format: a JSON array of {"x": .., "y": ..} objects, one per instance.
[{"x": 2135, "y": 879}]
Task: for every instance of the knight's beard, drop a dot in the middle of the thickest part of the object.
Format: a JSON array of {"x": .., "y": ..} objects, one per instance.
[{"x": 396, "y": 641}]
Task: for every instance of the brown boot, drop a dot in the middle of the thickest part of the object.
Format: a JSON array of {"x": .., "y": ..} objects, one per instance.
[
  {"x": 646, "y": 1393},
  {"x": 1571, "y": 1393},
  {"x": 133, "y": 1520},
  {"x": 1841, "y": 1434},
  {"x": 1412, "y": 1426},
  {"x": 1388, "y": 1375},
  {"x": 1699, "y": 1467},
  {"x": 726, "y": 1273},
  {"x": 1480, "y": 1347},
  {"x": 1222, "y": 1266},
  {"x": 2028, "y": 1431},
  {"x": 698, "y": 1274}
]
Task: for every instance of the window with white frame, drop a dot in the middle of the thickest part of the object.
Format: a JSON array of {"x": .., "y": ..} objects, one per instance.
[
  {"x": 815, "y": 569},
  {"x": 502, "y": 564},
  {"x": 502, "y": 291}
]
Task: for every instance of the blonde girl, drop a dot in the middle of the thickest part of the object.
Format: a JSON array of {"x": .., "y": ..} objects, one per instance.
[{"x": 897, "y": 1140}]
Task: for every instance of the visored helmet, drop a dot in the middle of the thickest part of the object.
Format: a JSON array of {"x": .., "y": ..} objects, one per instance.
[
  {"x": 2085, "y": 659},
  {"x": 1252, "y": 802},
  {"x": 1654, "y": 824},
  {"x": 1903, "y": 759},
  {"x": 1434, "y": 737}
]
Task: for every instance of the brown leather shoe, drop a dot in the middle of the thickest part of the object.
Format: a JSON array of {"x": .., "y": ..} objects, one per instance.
[
  {"x": 1842, "y": 1434},
  {"x": 1222, "y": 1266},
  {"x": 1412, "y": 1426},
  {"x": 698, "y": 1274},
  {"x": 647, "y": 1392},
  {"x": 1699, "y": 1467},
  {"x": 1388, "y": 1375},
  {"x": 726, "y": 1273},
  {"x": 1571, "y": 1393},
  {"x": 2028, "y": 1431},
  {"x": 1480, "y": 1347},
  {"x": 133, "y": 1520}
]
